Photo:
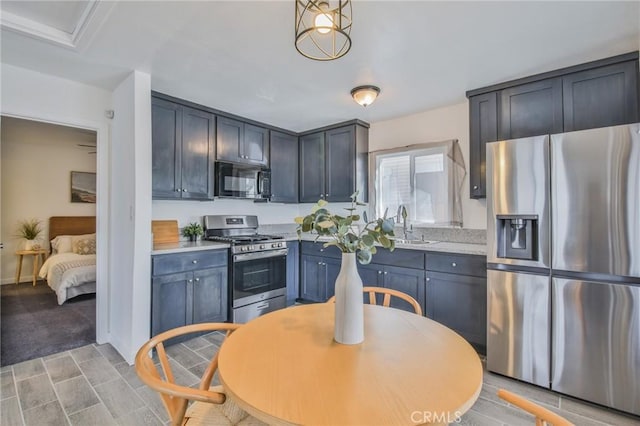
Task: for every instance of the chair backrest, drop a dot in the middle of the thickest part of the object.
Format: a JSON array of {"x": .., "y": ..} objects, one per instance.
[
  {"x": 176, "y": 397},
  {"x": 386, "y": 301},
  {"x": 542, "y": 415}
]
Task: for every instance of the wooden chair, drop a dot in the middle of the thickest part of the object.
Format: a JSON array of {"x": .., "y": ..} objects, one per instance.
[
  {"x": 542, "y": 415},
  {"x": 386, "y": 301},
  {"x": 210, "y": 406}
]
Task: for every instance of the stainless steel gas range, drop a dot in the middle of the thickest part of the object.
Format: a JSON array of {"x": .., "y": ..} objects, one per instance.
[{"x": 257, "y": 265}]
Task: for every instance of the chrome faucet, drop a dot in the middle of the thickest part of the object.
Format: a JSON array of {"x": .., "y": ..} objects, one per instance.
[{"x": 402, "y": 215}]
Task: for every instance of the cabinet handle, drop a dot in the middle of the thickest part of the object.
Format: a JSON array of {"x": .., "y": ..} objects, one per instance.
[
  {"x": 454, "y": 264},
  {"x": 194, "y": 261},
  {"x": 321, "y": 249},
  {"x": 319, "y": 263},
  {"x": 189, "y": 281},
  {"x": 197, "y": 280},
  {"x": 379, "y": 272},
  {"x": 428, "y": 279},
  {"x": 178, "y": 189},
  {"x": 184, "y": 190},
  {"x": 326, "y": 195},
  {"x": 386, "y": 272},
  {"x": 475, "y": 187}
]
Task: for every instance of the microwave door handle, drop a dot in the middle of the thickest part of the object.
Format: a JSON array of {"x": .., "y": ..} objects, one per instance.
[{"x": 260, "y": 183}]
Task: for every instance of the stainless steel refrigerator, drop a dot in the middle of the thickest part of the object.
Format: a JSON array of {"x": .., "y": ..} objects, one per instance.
[{"x": 563, "y": 253}]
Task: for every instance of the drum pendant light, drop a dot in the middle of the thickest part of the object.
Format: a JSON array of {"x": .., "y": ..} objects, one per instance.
[{"x": 323, "y": 28}]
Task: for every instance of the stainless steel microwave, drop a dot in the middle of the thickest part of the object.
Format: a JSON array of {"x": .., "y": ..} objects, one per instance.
[{"x": 242, "y": 181}]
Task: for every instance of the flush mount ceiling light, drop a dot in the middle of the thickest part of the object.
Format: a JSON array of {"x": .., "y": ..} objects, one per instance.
[
  {"x": 322, "y": 28},
  {"x": 365, "y": 95}
]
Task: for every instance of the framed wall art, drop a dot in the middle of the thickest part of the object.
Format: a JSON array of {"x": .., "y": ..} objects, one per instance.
[{"x": 83, "y": 187}]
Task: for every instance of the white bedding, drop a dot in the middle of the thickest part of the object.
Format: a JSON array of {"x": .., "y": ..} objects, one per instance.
[{"x": 64, "y": 270}]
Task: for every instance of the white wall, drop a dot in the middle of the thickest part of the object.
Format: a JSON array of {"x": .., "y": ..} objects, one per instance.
[
  {"x": 36, "y": 163},
  {"x": 130, "y": 214},
  {"x": 29, "y": 94},
  {"x": 451, "y": 122},
  {"x": 192, "y": 211}
]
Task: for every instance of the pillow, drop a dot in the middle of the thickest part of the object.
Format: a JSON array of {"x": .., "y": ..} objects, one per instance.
[
  {"x": 62, "y": 244},
  {"x": 84, "y": 246}
]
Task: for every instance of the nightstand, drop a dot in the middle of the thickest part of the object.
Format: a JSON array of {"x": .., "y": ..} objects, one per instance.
[{"x": 38, "y": 255}]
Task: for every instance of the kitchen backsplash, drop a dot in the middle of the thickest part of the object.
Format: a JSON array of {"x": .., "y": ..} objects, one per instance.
[{"x": 453, "y": 235}]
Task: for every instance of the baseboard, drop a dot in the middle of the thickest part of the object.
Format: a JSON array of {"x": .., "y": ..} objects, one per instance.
[{"x": 23, "y": 279}]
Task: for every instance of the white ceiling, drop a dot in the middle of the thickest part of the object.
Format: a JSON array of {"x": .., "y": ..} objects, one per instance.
[{"x": 239, "y": 56}]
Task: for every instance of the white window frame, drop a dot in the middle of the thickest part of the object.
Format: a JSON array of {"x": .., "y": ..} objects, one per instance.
[{"x": 455, "y": 217}]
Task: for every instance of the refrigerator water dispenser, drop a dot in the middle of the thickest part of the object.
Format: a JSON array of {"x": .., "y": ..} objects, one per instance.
[{"x": 517, "y": 236}]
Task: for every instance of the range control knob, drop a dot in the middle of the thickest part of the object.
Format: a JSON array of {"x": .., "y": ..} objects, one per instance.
[
  {"x": 274, "y": 245},
  {"x": 262, "y": 246},
  {"x": 251, "y": 248}
]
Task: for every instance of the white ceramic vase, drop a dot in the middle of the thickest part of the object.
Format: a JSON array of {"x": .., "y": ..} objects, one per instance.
[
  {"x": 349, "y": 316},
  {"x": 28, "y": 244}
]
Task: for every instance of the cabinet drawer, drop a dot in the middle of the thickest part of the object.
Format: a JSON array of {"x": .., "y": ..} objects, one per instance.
[
  {"x": 318, "y": 249},
  {"x": 182, "y": 262},
  {"x": 404, "y": 258},
  {"x": 463, "y": 264}
]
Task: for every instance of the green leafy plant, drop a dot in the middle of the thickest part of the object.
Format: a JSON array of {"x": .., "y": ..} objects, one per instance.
[
  {"x": 344, "y": 232},
  {"x": 192, "y": 230},
  {"x": 29, "y": 229}
]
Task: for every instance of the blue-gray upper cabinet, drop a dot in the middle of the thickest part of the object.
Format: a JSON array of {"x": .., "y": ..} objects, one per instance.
[
  {"x": 188, "y": 288},
  {"x": 183, "y": 151},
  {"x": 311, "y": 167},
  {"x": 333, "y": 164},
  {"x": 240, "y": 142},
  {"x": 595, "y": 94},
  {"x": 284, "y": 167},
  {"x": 604, "y": 96}
]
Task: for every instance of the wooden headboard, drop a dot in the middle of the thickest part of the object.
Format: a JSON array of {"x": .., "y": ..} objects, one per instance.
[{"x": 71, "y": 225}]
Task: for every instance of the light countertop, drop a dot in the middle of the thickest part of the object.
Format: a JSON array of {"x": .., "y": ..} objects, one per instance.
[
  {"x": 436, "y": 246},
  {"x": 185, "y": 246}
]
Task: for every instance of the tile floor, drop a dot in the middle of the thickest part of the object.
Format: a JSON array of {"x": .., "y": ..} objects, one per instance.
[{"x": 93, "y": 385}]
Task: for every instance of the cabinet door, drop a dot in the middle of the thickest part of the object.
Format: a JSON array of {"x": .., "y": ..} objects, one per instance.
[
  {"x": 198, "y": 150},
  {"x": 340, "y": 163},
  {"x": 460, "y": 303},
  {"x": 284, "y": 168},
  {"x": 210, "y": 289},
  {"x": 312, "y": 279},
  {"x": 601, "y": 97},
  {"x": 332, "y": 269},
  {"x": 371, "y": 275},
  {"x": 166, "y": 130},
  {"x": 255, "y": 148},
  {"x": 408, "y": 281},
  {"x": 531, "y": 109},
  {"x": 169, "y": 296},
  {"x": 483, "y": 128},
  {"x": 293, "y": 271},
  {"x": 230, "y": 137},
  {"x": 312, "y": 167}
]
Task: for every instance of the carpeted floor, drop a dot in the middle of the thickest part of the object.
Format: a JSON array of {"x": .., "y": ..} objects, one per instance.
[{"x": 34, "y": 325}]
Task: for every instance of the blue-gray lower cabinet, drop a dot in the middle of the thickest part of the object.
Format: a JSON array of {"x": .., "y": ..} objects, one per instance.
[
  {"x": 318, "y": 277},
  {"x": 293, "y": 272},
  {"x": 407, "y": 280},
  {"x": 456, "y": 295},
  {"x": 188, "y": 288}
]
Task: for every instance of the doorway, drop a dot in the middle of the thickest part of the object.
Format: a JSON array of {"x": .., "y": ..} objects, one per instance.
[{"x": 39, "y": 161}]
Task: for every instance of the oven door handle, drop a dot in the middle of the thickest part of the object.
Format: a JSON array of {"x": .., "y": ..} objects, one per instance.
[{"x": 243, "y": 257}]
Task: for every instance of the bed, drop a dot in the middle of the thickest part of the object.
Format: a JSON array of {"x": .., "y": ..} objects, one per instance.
[{"x": 70, "y": 270}]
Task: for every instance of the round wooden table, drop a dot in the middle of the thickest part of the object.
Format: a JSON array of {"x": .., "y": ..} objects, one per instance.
[{"x": 285, "y": 368}]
